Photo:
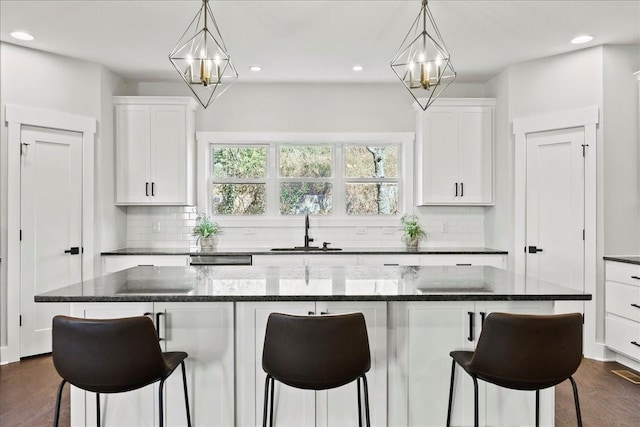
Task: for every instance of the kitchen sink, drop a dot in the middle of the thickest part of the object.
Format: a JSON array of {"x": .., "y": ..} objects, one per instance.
[{"x": 305, "y": 249}]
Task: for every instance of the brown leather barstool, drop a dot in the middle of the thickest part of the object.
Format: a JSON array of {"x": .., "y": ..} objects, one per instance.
[
  {"x": 316, "y": 353},
  {"x": 112, "y": 356},
  {"x": 523, "y": 352}
]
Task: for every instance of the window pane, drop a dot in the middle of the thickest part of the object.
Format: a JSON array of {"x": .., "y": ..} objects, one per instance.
[
  {"x": 239, "y": 163},
  {"x": 371, "y": 162},
  {"x": 306, "y": 161},
  {"x": 372, "y": 199},
  {"x": 239, "y": 199},
  {"x": 305, "y": 197}
]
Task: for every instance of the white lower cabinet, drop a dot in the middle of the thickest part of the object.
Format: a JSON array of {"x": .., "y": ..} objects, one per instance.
[
  {"x": 293, "y": 407},
  {"x": 493, "y": 260},
  {"x": 205, "y": 332},
  {"x": 422, "y": 334}
]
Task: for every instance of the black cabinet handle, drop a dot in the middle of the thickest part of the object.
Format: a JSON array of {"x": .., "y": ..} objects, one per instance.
[
  {"x": 534, "y": 249},
  {"x": 462, "y": 189},
  {"x": 73, "y": 251},
  {"x": 482, "y": 317},
  {"x": 460, "y": 265},
  {"x": 456, "y": 189},
  {"x": 635, "y": 277},
  {"x": 471, "y": 334},
  {"x": 158, "y": 325},
  {"x": 635, "y": 305},
  {"x": 153, "y": 188},
  {"x": 311, "y": 313},
  {"x": 146, "y": 188},
  {"x": 322, "y": 313},
  {"x": 635, "y": 343}
]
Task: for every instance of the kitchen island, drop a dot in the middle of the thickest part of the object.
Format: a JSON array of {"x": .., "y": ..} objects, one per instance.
[{"x": 415, "y": 316}]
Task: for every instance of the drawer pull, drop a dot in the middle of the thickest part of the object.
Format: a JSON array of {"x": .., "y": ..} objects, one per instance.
[
  {"x": 635, "y": 305},
  {"x": 635, "y": 277},
  {"x": 635, "y": 343}
]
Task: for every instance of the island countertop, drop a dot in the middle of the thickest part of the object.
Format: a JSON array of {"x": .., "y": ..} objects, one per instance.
[{"x": 230, "y": 283}]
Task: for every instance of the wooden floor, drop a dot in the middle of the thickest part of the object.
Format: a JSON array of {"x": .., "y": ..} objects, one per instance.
[{"x": 28, "y": 390}]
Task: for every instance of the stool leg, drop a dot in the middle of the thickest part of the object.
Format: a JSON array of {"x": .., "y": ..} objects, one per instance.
[
  {"x": 273, "y": 395},
  {"x": 98, "y": 409},
  {"x": 359, "y": 404},
  {"x": 366, "y": 400},
  {"x": 186, "y": 394},
  {"x": 161, "y": 403},
  {"x": 476, "y": 418},
  {"x": 577, "y": 402},
  {"x": 266, "y": 402},
  {"x": 56, "y": 415},
  {"x": 537, "y": 408},
  {"x": 453, "y": 375}
]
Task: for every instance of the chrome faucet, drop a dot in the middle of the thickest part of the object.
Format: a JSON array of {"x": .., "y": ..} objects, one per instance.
[{"x": 307, "y": 239}]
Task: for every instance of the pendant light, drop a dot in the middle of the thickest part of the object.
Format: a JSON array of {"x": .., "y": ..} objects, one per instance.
[
  {"x": 423, "y": 63},
  {"x": 202, "y": 59}
]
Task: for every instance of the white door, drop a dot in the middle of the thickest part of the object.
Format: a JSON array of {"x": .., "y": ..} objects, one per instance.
[
  {"x": 555, "y": 208},
  {"x": 51, "y": 224}
]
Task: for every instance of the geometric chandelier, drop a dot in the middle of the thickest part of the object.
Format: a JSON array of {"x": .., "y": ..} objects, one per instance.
[
  {"x": 201, "y": 58},
  {"x": 423, "y": 63}
]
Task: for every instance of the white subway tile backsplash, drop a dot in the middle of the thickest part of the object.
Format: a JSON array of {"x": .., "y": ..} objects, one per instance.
[{"x": 464, "y": 227}]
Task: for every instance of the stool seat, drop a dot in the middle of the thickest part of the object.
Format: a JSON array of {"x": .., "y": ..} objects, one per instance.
[
  {"x": 523, "y": 352},
  {"x": 316, "y": 353},
  {"x": 112, "y": 356}
]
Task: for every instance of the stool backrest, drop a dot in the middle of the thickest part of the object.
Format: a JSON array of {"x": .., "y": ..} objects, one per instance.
[
  {"x": 316, "y": 352},
  {"x": 107, "y": 356},
  {"x": 528, "y": 352}
]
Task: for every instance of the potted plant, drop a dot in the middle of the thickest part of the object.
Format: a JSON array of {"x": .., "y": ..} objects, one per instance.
[
  {"x": 413, "y": 231},
  {"x": 206, "y": 231}
]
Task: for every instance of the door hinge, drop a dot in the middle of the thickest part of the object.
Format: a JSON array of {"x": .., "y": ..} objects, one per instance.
[
  {"x": 583, "y": 234},
  {"x": 21, "y": 320}
]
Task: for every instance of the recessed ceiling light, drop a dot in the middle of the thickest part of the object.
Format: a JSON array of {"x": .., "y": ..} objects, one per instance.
[
  {"x": 255, "y": 68},
  {"x": 358, "y": 68},
  {"x": 21, "y": 35},
  {"x": 583, "y": 38}
]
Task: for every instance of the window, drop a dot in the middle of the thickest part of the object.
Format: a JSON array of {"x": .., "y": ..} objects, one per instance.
[
  {"x": 239, "y": 180},
  {"x": 336, "y": 176}
]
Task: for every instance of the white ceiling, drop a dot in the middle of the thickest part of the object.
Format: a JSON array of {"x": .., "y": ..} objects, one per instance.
[{"x": 316, "y": 41}]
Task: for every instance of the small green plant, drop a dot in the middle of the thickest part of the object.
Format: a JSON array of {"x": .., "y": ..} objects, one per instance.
[
  {"x": 413, "y": 231},
  {"x": 205, "y": 227}
]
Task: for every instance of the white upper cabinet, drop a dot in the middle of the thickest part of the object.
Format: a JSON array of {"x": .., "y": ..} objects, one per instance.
[
  {"x": 454, "y": 152},
  {"x": 155, "y": 150}
]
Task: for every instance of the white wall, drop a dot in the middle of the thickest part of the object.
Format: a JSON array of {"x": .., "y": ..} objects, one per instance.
[
  {"x": 621, "y": 198},
  {"x": 309, "y": 108},
  {"x": 42, "y": 80}
]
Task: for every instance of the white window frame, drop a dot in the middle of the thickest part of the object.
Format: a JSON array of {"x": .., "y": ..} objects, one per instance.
[{"x": 405, "y": 173}]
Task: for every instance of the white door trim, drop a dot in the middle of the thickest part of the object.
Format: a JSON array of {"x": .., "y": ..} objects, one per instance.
[
  {"x": 587, "y": 118},
  {"x": 16, "y": 116}
]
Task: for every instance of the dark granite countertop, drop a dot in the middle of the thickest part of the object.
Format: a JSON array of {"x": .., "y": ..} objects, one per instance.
[
  {"x": 232, "y": 283},
  {"x": 344, "y": 251},
  {"x": 625, "y": 259}
]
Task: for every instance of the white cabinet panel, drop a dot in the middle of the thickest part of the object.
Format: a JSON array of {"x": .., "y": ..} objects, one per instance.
[
  {"x": 389, "y": 260},
  {"x": 278, "y": 260},
  {"x": 497, "y": 261},
  {"x": 454, "y": 152},
  {"x": 622, "y": 320},
  {"x": 155, "y": 150},
  {"x": 205, "y": 331}
]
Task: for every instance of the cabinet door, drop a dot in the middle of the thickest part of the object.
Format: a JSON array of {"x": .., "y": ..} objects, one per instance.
[
  {"x": 440, "y": 162},
  {"x": 278, "y": 260},
  {"x": 168, "y": 163},
  {"x": 292, "y": 407},
  {"x": 497, "y": 261},
  {"x": 503, "y": 407},
  {"x": 133, "y": 146},
  {"x": 475, "y": 153},
  {"x": 389, "y": 260},
  {"x": 338, "y": 407},
  {"x": 119, "y": 409},
  {"x": 421, "y": 336},
  {"x": 205, "y": 332},
  {"x": 113, "y": 263}
]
